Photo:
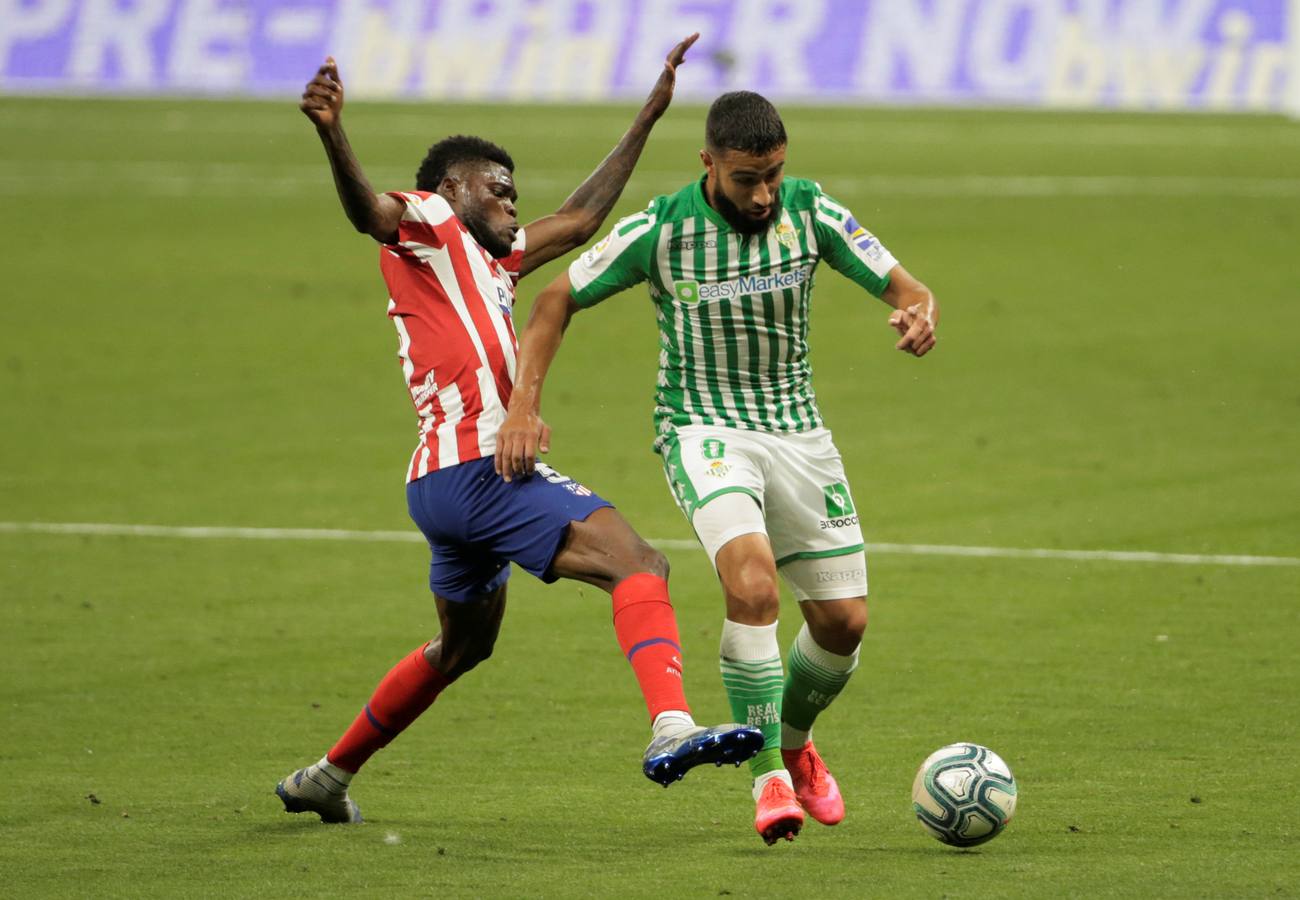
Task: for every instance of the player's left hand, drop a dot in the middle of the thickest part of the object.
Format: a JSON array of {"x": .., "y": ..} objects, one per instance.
[
  {"x": 522, "y": 436},
  {"x": 916, "y": 327},
  {"x": 662, "y": 93}
]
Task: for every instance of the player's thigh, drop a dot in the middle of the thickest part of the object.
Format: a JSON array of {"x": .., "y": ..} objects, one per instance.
[
  {"x": 533, "y": 519},
  {"x": 747, "y": 572},
  {"x": 812, "y": 520},
  {"x": 717, "y": 476},
  {"x": 603, "y": 549}
]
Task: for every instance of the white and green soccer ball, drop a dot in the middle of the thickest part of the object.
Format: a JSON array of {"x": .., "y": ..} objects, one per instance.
[{"x": 964, "y": 794}]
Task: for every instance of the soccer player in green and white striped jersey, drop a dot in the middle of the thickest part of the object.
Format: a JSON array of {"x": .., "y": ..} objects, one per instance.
[{"x": 729, "y": 262}]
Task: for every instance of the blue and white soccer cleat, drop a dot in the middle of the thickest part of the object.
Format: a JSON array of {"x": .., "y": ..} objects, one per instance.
[
  {"x": 311, "y": 790},
  {"x": 668, "y": 758}
]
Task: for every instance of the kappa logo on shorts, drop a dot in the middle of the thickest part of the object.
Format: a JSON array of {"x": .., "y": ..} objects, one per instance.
[{"x": 839, "y": 507}]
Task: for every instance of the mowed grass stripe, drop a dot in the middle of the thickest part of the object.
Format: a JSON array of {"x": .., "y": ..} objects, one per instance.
[
  {"x": 280, "y": 118},
  {"x": 225, "y": 532},
  {"x": 185, "y": 178}
]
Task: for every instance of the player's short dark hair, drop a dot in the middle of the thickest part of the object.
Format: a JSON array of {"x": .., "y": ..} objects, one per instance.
[
  {"x": 456, "y": 149},
  {"x": 744, "y": 121}
]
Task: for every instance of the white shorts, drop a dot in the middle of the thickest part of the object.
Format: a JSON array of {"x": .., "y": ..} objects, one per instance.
[{"x": 789, "y": 486}]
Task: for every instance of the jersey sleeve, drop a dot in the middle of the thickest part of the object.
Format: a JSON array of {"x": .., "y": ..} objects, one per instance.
[
  {"x": 424, "y": 220},
  {"x": 850, "y": 249},
  {"x": 618, "y": 261}
]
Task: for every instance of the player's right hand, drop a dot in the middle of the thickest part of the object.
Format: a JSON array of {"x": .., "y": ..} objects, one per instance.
[
  {"x": 916, "y": 325},
  {"x": 522, "y": 436},
  {"x": 322, "y": 100}
]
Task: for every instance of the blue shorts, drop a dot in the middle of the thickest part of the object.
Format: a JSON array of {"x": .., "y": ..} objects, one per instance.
[{"x": 477, "y": 524}]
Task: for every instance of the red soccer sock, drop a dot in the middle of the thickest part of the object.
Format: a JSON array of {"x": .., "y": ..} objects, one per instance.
[
  {"x": 647, "y": 631},
  {"x": 408, "y": 689}
]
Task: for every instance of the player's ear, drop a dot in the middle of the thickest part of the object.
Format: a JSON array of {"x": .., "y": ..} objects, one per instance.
[
  {"x": 707, "y": 158},
  {"x": 449, "y": 188}
]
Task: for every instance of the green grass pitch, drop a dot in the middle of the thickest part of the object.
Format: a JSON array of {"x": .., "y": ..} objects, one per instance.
[{"x": 191, "y": 334}]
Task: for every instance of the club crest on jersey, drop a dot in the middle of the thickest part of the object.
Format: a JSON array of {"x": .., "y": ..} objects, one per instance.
[
  {"x": 786, "y": 234},
  {"x": 862, "y": 239}
]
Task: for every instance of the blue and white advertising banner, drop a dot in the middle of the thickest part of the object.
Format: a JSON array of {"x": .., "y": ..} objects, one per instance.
[{"x": 1125, "y": 54}]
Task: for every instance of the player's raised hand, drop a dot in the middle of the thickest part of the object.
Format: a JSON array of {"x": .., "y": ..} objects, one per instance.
[
  {"x": 662, "y": 93},
  {"x": 522, "y": 436},
  {"x": 322, "y": 100},
  {"x": 916, "y": 327}
]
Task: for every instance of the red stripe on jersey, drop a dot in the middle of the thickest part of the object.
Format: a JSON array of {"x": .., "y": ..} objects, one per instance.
[
  {"x": 512, "y": 264},
  {"x": 439, "y": 344},
  {"x": 420, "y": 233},
  {"x": 487, "y": 332},
  {"x": 467, "y": 430}
]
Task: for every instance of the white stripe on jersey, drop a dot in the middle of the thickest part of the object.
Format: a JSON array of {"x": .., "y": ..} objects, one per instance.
[
  {"x": 679, "y": 321},
  {"x": 416, "y": 208},
  {"x": 488, "y": 287},
  {"x": 440, "y": 262},
  {"x": 490, "y": 419},
  {"x": 453, "y": 410},
  {"x": 403, "y": 344},
  {"x": 717, "y": 328},
  {"x": 809, "y": 233}
]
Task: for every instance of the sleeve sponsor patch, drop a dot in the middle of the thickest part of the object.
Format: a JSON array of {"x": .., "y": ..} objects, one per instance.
[
  {"x": 862, "y": 239},
  {"x": 589, "y": 258}
]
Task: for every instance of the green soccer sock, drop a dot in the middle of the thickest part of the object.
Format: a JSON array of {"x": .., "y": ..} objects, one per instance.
[
  {"x": 816, "y": 678},
  {"x": 750, "y": 659}
]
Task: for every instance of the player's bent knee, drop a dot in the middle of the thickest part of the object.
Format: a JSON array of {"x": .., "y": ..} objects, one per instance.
[
  {"x": 752, "y": 597},
  {"x": 654, "y": 562},
  {"x": 836, "y": 625}
]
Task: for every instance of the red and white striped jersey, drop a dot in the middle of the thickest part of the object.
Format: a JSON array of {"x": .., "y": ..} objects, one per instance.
[{"x": 451, "y": 303}]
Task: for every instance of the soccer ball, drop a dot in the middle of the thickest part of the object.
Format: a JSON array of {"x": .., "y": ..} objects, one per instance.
[{"x": 964, "y": 794}]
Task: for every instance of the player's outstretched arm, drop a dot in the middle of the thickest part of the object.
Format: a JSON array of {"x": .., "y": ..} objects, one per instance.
[
  {"x": 573, "y": 224},
  {"x": 374, "y": 214},
  {"x": 916, "y": 312},
  {"x": 523, "y": 433}
]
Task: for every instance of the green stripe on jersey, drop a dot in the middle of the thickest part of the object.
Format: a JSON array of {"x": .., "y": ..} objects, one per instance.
[{"x": 732, "y": 309}]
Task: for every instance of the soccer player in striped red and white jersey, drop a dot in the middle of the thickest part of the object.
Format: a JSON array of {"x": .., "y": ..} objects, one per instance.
[{"x": 451, "y": 253}]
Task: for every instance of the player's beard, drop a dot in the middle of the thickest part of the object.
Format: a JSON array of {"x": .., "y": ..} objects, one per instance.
[
  {"x": 739, "y": 221},
  {"x": 496, "y": 246}
]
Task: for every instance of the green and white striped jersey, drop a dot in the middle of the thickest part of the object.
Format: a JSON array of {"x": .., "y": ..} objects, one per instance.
[{"x": 732, "y": 309}]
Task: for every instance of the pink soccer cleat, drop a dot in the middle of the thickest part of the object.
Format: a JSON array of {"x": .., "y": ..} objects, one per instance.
[
  {"x": 777, "y": 814},
  {"x": 814, "y": 785}
]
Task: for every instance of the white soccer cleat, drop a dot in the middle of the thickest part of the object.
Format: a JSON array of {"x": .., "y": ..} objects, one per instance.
[{"x": 315, "y": 790}]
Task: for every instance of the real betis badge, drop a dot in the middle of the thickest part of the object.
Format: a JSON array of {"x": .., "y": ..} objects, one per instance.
[
  {"x": 785, "y": 233},
  {"x": 838, "y": 501}
]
